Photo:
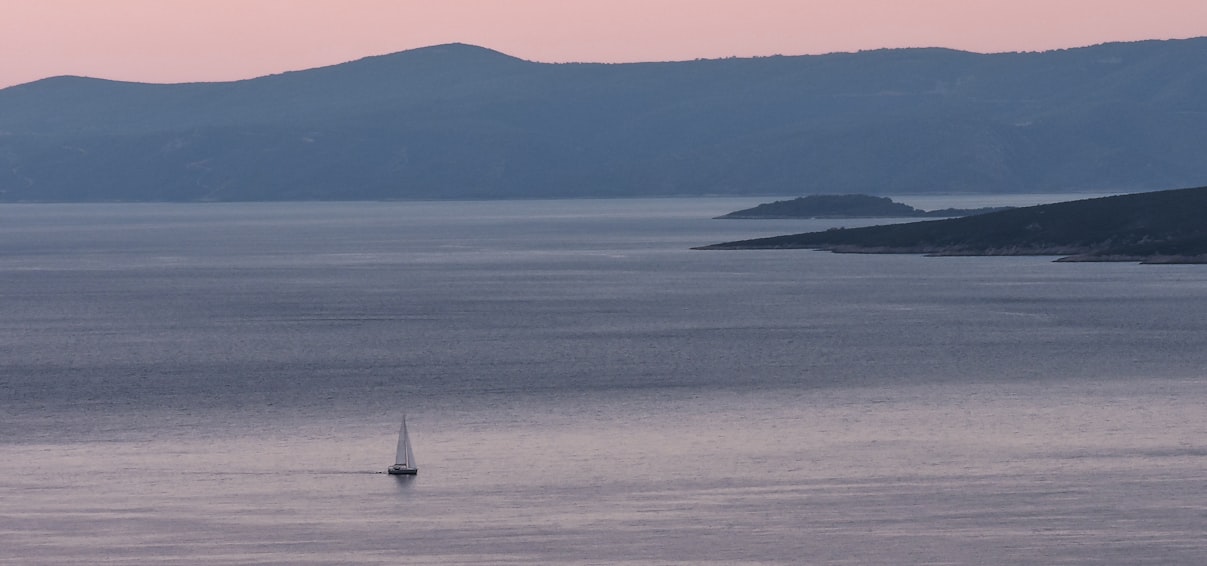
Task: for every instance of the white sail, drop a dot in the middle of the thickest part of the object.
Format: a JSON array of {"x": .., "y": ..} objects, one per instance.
[{"x": 404, "y": 459}]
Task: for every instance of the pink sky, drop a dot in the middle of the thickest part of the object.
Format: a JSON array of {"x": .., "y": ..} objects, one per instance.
[{"x": 209, "y": 40}]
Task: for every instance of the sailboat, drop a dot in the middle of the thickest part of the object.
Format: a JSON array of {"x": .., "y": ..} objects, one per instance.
[{"x": 404, "y": 459}]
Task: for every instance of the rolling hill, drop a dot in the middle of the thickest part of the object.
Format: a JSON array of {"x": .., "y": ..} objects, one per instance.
[
  {"x": 1154, "y": 227},
  {"x": 846, "y": 206},
  {"x": 458, "y": 121}
]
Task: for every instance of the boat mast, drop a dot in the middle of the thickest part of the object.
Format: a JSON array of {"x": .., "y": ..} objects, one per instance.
[
  {"x": 407, "y": 438},
  {"x": 403, "y": 455}
]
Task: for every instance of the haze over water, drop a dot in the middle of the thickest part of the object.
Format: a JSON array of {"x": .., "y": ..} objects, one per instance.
[{"x": 222, "y": 384}]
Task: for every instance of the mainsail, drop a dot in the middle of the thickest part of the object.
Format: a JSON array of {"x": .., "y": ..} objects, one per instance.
[{"x": 404, "y": 457}]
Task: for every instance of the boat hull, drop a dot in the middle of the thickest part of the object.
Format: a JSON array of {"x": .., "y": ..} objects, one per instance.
[{"x": 401, "y": 471}]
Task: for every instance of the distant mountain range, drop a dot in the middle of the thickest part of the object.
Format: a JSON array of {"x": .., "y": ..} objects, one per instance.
[
  {"x": 457, "y": 121},
  {"x": 1151, "y": 227}
]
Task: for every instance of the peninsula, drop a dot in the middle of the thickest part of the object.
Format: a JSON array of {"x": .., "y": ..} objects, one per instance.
[
  {"x": 846, "y": 206},
  {"x": 1154, "y": 227}
]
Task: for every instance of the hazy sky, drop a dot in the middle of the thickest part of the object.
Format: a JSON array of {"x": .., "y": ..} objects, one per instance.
[{"x": 206, "y": 40}]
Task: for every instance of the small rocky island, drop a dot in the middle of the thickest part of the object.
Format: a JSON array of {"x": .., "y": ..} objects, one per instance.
[
  {"x": 846, "y": 206},
  {"x": 1156, "y": 227}
]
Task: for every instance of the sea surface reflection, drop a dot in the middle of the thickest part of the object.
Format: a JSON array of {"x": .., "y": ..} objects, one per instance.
[{"x": 222, "y": 384}]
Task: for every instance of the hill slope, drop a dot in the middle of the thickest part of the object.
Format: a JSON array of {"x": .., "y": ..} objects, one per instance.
[
  {"x": 846, "y": 206},
  {"x": 1156, "y": 227},
  {"x": 457, "y": 121}
]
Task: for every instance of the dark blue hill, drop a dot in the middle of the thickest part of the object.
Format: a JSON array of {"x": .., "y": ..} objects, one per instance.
[
  {"x": 458, "y": 121},
  {"x": 1155, "y": 227}
]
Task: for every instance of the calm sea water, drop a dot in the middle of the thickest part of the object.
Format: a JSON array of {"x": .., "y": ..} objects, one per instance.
[{"x": 222, "y": 384}]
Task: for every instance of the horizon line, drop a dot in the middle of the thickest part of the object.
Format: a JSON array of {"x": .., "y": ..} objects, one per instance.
[{"x": 585, "y": 62}]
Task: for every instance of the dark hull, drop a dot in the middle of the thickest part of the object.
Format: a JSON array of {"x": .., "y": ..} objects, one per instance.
[{"x": 397, "y": 471}]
